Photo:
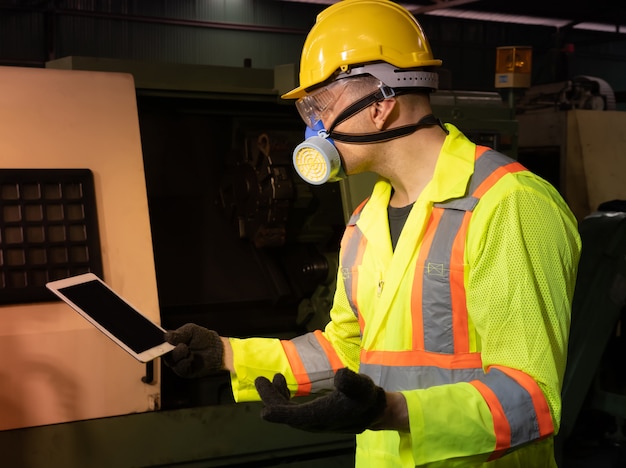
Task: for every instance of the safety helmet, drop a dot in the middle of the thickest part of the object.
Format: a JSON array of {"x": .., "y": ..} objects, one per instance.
[{"x": 353, "y": 33}]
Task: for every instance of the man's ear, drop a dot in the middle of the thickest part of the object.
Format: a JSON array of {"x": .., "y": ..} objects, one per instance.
[{"x": 381, "y": 111}]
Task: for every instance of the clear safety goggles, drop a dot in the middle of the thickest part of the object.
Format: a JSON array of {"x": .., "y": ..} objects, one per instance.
[{"x": 313, "y": 106}]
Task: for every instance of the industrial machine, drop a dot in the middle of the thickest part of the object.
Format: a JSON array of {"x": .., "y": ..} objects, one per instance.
[
  {"x": 581, "y": 92},
  {"x": 571, "y": 134},
  {"x": 240, "y": 245}
]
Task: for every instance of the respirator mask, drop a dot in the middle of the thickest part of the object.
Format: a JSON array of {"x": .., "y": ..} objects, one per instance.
[{"x": 317, "y": 159}]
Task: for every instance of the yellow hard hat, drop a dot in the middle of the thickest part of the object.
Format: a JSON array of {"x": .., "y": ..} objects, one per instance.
[{"x": 356, "y": 32}]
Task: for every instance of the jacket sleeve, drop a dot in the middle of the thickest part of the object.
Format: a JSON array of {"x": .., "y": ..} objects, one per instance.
[
  {"x": 308, "y": 362},
  {"x": 522, "y": 253}
]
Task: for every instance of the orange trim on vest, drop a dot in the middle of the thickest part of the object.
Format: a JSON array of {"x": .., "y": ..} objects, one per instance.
[
  {"x": 460, "y": 327},
  {"x": 501, "y": 426},
  {"x": 544, "y": 417},
  {"x": 422, "y": 358},
  {"x": 495, "y": 176},
  {"x": 297, "y": 367},
  {"x": 480, "y": 150},
  {"x": 359, "y": 208},
  {"x": 330, "y": 352}
]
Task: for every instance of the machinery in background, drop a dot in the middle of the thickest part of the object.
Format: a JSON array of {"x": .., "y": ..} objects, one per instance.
[
  {"x": 581, "y": 92},
  {"x": 571, "y": 134},
  {"x": 481, "y": 115}
]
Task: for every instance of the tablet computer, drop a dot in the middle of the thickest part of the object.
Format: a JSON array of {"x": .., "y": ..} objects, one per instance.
[{"x": 112, "y": 315}]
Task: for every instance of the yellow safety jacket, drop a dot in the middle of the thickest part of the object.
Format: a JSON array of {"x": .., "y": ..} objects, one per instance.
[{"x": 468, "y": 318}]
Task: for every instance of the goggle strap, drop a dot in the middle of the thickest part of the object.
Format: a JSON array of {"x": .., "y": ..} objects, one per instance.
[{"x": 380, "y": 94}]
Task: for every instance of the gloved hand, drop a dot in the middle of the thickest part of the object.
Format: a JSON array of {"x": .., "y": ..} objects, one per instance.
[
  {"x": 198, "y": 352},
  {"x": 354, "y": 405}
]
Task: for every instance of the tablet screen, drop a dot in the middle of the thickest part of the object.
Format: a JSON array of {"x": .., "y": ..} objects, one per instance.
[{"x": 115, "y": 315}]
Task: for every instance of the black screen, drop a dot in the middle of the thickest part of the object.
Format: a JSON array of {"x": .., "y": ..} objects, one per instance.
[{"x": 119, "y": 318}]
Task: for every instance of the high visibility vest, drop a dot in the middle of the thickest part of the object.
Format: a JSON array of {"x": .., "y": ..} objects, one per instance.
[{"x": 440, "y": 353}]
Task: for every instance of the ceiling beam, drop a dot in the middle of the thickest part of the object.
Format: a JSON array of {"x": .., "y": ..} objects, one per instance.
[{"x": 437, "y": 5}]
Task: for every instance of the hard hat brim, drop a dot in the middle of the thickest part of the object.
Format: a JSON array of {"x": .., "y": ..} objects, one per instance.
[{"x": 295, "y": 93}]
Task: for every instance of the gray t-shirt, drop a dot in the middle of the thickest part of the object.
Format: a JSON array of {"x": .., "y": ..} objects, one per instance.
[{"x": 397, "y": 218}]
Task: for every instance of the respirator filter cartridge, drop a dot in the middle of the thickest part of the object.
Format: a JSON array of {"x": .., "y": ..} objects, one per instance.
[{"x": 317, "y": 161}]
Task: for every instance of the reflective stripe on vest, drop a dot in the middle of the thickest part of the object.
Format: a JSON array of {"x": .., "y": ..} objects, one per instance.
[
  {"x": 313, "y": 362},
  {"x": 514, "y": 424},
  {"x": 353, "y": 246}
]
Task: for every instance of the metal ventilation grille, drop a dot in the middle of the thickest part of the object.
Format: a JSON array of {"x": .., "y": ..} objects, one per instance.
[{"x": 48, "y": 230}]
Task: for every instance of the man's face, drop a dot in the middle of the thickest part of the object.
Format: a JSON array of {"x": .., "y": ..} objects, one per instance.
[{"x": 354, "y": 156}]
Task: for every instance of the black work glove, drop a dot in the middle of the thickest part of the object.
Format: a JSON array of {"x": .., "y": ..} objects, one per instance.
[
  {"x": 355, "y": 404},
  {"x": 198, "y": 352}
]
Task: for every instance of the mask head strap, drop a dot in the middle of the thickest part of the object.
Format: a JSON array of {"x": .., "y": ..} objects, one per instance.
[{"x": 362, "y": 138}]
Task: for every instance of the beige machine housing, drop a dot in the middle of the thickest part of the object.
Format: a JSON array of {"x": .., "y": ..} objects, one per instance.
[{"x": 56, "y": 367}]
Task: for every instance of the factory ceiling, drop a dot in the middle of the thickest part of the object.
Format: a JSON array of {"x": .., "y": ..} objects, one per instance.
[{"x": 602, "y": 15}]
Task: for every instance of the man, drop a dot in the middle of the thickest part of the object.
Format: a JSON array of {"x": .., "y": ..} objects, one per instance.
[{"x": 448, "y": 333}]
